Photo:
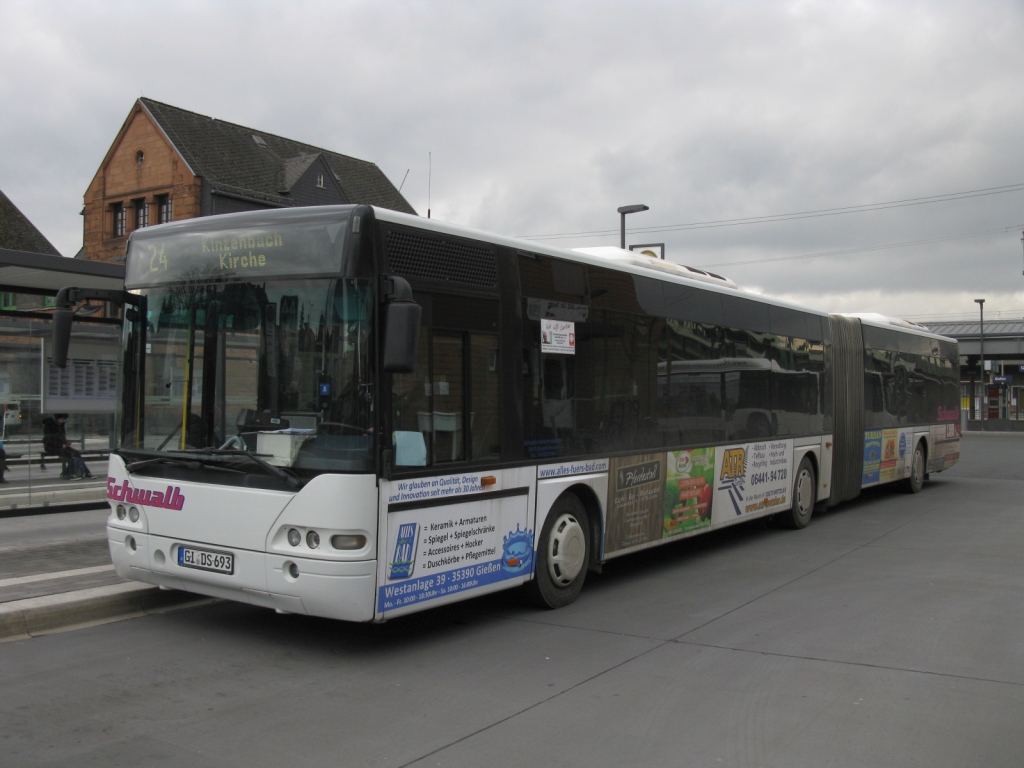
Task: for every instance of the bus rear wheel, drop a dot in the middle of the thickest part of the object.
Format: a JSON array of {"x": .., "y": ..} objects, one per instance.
[
  {"x": 915, "y": 482},
  {"x": 563, "y": 552},
  {"x": 805, "y": 486}
]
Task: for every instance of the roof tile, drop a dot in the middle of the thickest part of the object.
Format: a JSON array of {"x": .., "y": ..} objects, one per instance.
[
  {"x": 17, "y": 233},
  {"x": 230, "y": 158}
]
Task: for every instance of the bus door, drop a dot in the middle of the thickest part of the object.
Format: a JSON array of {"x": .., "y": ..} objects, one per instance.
[{"x": 452, "y": 522}]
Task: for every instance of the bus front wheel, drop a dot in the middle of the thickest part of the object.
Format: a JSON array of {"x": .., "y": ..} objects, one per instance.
[
  {"x": 917, "y": 474},
  {"x": 805, "y": 486},
  {"x": 563, "y": 552}
]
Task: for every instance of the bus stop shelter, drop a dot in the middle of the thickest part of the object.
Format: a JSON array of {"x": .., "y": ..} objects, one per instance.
[{"x": 28, "y": 284}]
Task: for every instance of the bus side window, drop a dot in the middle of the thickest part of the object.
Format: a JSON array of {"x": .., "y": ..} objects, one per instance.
[
  {"x": 690, "y": 388},
  {"x": 429, "y": 402},
  {"x": 448, "y": 408},
  {"x": 747, "y": 387},
  {"x": 445, "y": 421},
  {"x": 484, "y": 417},
  {"x": 411, "y": 396}
]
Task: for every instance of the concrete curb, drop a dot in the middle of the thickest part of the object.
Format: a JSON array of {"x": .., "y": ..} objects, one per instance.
[
  {"x": 22, "y": 619},
  {"x": 53, "y": 509}
]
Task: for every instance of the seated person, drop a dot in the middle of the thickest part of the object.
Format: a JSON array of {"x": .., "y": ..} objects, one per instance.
[{"x": 56, "y": 442}]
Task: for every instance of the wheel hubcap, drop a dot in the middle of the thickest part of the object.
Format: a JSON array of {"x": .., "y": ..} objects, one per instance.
[
  {"x": 567, "y": 550},
  {"x": 803, "y": 492},
  {"x": 918, "y": 467}
]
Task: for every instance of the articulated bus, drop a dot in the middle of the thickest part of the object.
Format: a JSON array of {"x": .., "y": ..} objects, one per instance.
[{"x": 355, "y": 413}]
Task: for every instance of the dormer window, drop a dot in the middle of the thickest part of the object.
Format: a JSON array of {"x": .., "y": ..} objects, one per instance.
[
  {"x": 259, "y": 141},
  {"x": 320, "y": 181}
]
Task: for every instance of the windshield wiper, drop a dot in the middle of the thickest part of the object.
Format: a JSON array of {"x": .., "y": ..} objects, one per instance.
[
  {"x": 190, "y": 462},
  {"x": 290, "y": 480}
]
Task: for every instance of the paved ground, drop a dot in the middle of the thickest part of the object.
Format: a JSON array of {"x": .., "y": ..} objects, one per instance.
[
  {"x": 53, "y": 553},
  {"x": 888, "y": 633}
]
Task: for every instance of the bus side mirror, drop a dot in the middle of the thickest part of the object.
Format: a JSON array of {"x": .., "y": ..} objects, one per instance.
[
  {"x": 401, "y": 327},
  {"x": 65, "y": 310},
  {"x": 61, "y": 335}
]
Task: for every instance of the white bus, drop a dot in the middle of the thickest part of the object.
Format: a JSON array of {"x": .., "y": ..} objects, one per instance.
[{"x": 354, "y": 413}]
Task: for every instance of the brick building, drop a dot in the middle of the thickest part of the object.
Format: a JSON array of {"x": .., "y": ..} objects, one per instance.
[{"x": 168, "y": 164}]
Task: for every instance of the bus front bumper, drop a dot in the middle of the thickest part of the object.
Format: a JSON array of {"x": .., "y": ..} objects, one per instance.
[{"x": 328, "y": 588}]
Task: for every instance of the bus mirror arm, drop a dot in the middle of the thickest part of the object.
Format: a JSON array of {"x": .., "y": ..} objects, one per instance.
[
  {"x": 401, "y": 326},
  {"x": 64, "y": 312}
]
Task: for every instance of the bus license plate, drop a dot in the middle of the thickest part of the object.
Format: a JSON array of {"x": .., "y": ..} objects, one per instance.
[{"x": 206, "y": 560}]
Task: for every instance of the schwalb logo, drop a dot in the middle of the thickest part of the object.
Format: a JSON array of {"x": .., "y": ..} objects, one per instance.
[
  {"x": 404, "y": 559},
  {"x": 169, "y": 499}
]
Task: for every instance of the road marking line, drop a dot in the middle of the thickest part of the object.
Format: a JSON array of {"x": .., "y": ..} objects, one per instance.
[{"x": 56, "y": 575}]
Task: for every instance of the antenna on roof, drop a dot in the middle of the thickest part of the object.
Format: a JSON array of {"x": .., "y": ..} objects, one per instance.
[{"x": 430, "y": 169}]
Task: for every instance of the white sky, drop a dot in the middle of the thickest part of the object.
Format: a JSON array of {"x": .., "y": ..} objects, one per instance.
[{"x": 545, "y": 117}]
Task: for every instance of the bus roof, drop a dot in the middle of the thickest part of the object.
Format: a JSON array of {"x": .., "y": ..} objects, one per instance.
[
  {"x": 636, "y": 265},
  {"x": 895, "y": 323},
  {"x": 630, "y": 262}
]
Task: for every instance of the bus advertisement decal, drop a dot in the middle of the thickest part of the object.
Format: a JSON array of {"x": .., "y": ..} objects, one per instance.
[
  {"x": 752, "y": 480},
  {"x": 872, "y": 457},
  {"x": 689, "y": 490},
  {"x": 655, "y": 496},
  {"x": 894, "y": 464},
  {"x": 443, "y": 550},
  {"x": 570, "y": 468},
  {"x": 636, "y": 501},
  {"x": 423, "y": 488}
]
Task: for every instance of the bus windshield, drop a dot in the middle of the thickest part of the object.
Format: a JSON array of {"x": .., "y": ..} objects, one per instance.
[{"x": 277, "y": 368}]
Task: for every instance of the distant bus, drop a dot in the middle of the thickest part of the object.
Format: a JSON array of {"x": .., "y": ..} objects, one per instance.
[{"x": 355, "y": 413}]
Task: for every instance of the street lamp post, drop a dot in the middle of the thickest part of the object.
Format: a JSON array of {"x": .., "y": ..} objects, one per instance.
[
  {"x": 622, "y": 213},
  {"x": 981, "y": 329}
]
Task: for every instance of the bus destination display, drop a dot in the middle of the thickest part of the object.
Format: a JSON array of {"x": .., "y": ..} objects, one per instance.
[{"x": 310, "y": 244}]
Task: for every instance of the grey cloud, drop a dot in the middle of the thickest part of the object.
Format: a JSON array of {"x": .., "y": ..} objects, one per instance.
[{"x": 545, "y": 117}]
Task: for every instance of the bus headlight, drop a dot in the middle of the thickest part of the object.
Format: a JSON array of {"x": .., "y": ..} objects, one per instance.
[
  {"x": 294, "y": 537},
  {"x": 313, "y": 539},
  {"x": 133, "y": 514},
  {"x": 120, "y": 512},
  {"x": 348, "y": 541}
]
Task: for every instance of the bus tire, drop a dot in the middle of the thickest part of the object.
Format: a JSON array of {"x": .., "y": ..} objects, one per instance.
[
  {"x": 915, "y": 482},
  {"x": 563, "y": 552},
  {"x": 805, "y": 487}
]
